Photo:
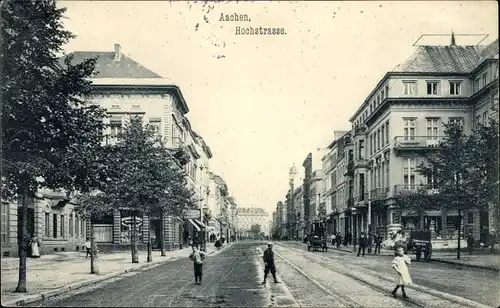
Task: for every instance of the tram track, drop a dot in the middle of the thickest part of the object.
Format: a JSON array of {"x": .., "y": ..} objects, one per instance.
[{"x": 433, "y": 298}]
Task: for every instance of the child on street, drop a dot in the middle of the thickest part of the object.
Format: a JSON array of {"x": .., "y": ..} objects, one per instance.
[
  {"x": 197, "y": 257},
  {"x": 400, "y": 264}
]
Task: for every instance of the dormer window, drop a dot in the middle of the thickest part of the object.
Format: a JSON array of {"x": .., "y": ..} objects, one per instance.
[{"x": 432, "y": 88}]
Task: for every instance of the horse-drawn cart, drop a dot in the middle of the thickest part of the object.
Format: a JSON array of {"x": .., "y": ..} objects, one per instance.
[
  {"x": 317, "y": 242},
  {"x": 420, "y": 241}
]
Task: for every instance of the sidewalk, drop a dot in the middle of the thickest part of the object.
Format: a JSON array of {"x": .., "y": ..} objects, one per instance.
[
  {"x": 56, "y": 274},
  {"x": 477, "y": 260}
]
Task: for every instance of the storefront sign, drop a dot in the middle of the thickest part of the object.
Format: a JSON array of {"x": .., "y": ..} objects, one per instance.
[{"x": 129, "y": 221}]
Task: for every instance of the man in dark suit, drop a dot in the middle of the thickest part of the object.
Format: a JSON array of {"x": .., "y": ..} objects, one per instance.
[
  {"x": 270, "y": 266},
  {"x": 362, "y": 244}
]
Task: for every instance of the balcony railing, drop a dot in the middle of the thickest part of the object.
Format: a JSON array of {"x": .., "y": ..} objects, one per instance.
[
  {"x": 379, "y": 193},
  {"x": 417, "y": 142},
  {"x": 349, "y": 171},
  {"x": 412, "y": 188}
]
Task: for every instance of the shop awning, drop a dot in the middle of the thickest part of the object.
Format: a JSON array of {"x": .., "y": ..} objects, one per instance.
[
  {"x": 201, "y": 224},
  {"x": 194, "y": 224}
]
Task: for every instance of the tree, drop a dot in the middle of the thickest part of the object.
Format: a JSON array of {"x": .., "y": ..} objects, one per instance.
[
  {"x": 145, "y": 179},
  {"x": 458, "y": 174},
  {"x": 255, "y": 229},
  {"x": 49, "y": 134}
]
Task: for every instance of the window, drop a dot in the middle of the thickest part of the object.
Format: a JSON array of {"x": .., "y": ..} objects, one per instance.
[
  {"x": 476, "y": 84},
  {"x": 386, "y": 90},
  {"x": 409, "y": 129},
  {"x": 361, "y": 149},
  {"x": 136, "y": 118},
  {"x": 387, "y": 132},
  {"x": 62, "y": 227},
  {"x": 478, "y": 119},
  {"x": 371, "y": 107},
  {"x": 155, "y": 124},
  {"x": 409, "y": 173},
  {"x": 47, "y": 225},
  {"x": 470, "y": 218},
  {"x": 457, "y": 120},
  {"x": 77, "y": 226},
  {"x": 378, "y": 139},
  {"x": 409, "y": 88},
  {"x": 485, "y": 118},
  {"x": 70, "y": 225},
  {"x": 485, "y": 79},
  {"x": 432, "y": 129},
  {"x": 382, "y": 132},
  {"x": 54, "y": 225},
  {"x": 82, "y": 227},
  {"x": 334, "y": 178},
  {"x": 4, "y": 223},
  {"x": 432, "y": 88},
  {"x": 115, "y": 126},
  {"x": 455, "y": 87}
]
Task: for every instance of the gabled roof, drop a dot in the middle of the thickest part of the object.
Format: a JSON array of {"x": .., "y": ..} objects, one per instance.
[
  {"x": 107, "y": 67},
  {"x": 490, "y": 52},
  {"x": 442, "y": 59}
]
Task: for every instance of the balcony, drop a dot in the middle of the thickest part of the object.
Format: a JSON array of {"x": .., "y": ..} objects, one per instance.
[
  {"x": 379, "y": 193},
  {"x": 407, "y": 189},
  {"x": 361, "y": 198},
  {"x": 361, "y": 163},
  {"x": 350, "y": 203},
  {"x": 349, "y": 171},
  {"x": 417, "y": 142}
]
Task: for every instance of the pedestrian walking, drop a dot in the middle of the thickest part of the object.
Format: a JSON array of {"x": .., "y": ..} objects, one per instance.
[
  {"x": 470, "y": 242},
  {"x": 217, "y": 244},
  {"x": 339, "y": 239},
  {"x": 88, "y": 247},
  {"x": 197, "y": 256},
  {"x": 362, "y": 244},
  {"x": 270, "y": 266},
  {"x": 492, "y": 240},
  {"x": 400, "y": 265},
  {"x": 34, "y": 243},
  {"x": 333, "y": 239}
]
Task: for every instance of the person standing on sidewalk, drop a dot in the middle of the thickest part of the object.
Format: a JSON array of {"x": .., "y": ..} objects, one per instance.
[
  {"x": 339, "y": 239},
  {"x": 378, "y": 241},
  {"x": 362, "y": 244},
  {"x": 400, "y": 264},
  {"x": 88, "y": 247},
  {"x": 270, "y": 266},
  {"x": 470, "y": 242},
  {"x": 197, "y": 257},
  {"x": 34, "y": 243}
]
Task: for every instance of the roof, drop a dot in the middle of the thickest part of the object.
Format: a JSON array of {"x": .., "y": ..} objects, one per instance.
[
  {"x": 442, "y": 59},
  {"x": 490, "y": 52},
  {"x": 107, "y": 67}
]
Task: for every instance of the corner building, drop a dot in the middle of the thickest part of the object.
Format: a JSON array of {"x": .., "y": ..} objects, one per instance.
[{"x": 402, "y": 120}]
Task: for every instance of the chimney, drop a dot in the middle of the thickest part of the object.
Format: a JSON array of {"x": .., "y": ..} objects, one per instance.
[
  {"x": 452, "y": 38},
  {"x": 117, "y": 52}
]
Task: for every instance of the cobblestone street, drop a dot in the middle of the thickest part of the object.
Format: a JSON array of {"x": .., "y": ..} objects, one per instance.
[{"x": 232, "y": 278}]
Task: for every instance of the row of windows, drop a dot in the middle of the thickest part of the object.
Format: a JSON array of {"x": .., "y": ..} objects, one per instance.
[
  {"x": 379, "y": 138},
  {"x": 76, "y": 226},
  {"x": 433, "y": 88}
]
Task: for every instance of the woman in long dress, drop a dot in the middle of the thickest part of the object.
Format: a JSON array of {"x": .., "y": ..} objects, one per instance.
[{"x": 35, "y": 252}]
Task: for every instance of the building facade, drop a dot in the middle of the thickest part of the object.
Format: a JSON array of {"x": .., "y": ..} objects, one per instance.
[
  {"x": 247, "y": 217},
  {"x": 402, "y": 120}
]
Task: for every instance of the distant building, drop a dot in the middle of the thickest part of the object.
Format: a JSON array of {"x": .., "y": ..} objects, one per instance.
[{"x": 253, "y": 216}]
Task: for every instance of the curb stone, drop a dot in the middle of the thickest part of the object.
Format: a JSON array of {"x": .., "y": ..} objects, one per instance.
[
  {"x": 78, "y": 285},
  {"x": 81, "y": 284}
]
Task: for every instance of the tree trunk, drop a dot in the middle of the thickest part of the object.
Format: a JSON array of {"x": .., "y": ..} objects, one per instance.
[
  {"x": 150, "y": 256},
  {"x": 162, "y": 235},
  {"x": 23, "y": 246},
  {"x": 422, "y": 221},
  {"x": 133, "y": 243},
  {"x": 459, "y": 233},
  {"x": 94, "y": 267}
]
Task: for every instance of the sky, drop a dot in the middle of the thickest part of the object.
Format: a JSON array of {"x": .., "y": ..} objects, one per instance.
[{"x": 263, "y": 102}]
